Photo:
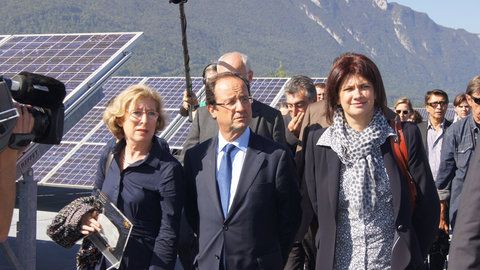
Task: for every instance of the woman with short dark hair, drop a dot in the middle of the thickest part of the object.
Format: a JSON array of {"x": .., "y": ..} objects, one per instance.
[{"x": 360, "y": 195}]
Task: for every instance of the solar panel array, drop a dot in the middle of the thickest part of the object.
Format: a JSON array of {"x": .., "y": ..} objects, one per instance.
[
  {"x": 83, "y": 144},
  {"x": 75, "y": 161}
]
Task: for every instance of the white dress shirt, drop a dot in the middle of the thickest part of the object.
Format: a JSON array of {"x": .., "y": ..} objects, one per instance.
[{"x": 238, "y": 155}]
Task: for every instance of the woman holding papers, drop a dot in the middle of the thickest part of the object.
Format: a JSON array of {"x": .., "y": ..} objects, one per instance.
[{"x": 143, "y": 180}]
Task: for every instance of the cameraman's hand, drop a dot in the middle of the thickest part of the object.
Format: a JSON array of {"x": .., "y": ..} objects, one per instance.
[
  {"x": 25, "y": 120},
  {"x": 89, "y": 223}
]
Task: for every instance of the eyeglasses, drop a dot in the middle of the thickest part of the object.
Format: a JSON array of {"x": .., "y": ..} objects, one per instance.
[
  {"x": 436, "y": 103},
  {"x": 137, "y": 115},
  {"x": 402, "y": 112},
  {"x": 244, "y": 100},
  {"x": 475, "y": 99}
]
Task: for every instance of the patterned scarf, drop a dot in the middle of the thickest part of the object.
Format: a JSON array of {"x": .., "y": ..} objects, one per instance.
[{"x": 361, "y": 152}]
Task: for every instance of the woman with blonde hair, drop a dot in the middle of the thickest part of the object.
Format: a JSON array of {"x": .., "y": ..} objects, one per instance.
[
  {"x": 368, "y": 218},
  {"x": 143, "y": 180},
  {"x": 403, "y": 108}
]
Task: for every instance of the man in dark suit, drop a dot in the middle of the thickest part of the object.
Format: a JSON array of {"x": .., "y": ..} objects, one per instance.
[
  {"x": 465, "y": 249},
  {"x": 299, "y": 94},
  {"x": 242, "y": 194},
  {"x": 266, "y": 121},
  {"x": 433, "y": 132}
]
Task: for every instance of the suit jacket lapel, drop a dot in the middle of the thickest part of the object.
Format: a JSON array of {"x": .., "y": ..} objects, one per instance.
[
  {"x": 251, "y": 165},
  {"x": 333, "y": 169},
  {"x": 211, "y": 175}
]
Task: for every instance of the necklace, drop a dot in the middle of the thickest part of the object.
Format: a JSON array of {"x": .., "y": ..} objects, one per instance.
[{"x": 125, "y": 162}]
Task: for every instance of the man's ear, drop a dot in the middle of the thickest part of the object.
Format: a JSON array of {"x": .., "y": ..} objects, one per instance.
[{"x": 212, "y": 110}]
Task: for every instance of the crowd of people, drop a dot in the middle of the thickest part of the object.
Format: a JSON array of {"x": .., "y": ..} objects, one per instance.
[{"x": 337, "y": 181}]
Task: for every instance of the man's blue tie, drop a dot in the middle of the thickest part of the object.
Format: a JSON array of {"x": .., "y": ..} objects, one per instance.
[{"x": 224, "y": 177}]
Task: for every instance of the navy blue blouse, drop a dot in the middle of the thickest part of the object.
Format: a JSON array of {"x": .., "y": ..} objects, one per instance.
[{"x": 149, "y": 193}]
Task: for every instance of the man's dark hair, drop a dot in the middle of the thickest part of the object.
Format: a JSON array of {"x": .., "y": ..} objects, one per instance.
[
  {"x": 210, "y": 86},
  {"x": 299, "y": 83},
  {"x": 436, "y": 92},
  {"x": 209, "y": 67},
  {"x": 320, "y": 85},
  {"x": 459, "y": 99}
]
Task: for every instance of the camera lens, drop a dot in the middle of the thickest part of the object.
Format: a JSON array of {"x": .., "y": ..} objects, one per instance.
[{"x": 41, "y": 121}]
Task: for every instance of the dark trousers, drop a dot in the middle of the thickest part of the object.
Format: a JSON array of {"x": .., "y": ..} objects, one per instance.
[
  {"x": 439, "y": 251},
  {"x": 303, "y": 253}
]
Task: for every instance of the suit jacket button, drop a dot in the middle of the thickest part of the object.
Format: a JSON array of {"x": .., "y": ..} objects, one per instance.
[
  {"x": 217, "y": 257},
  {"x": 400, "y": 228},
  {"x": 225, "y": 227}
]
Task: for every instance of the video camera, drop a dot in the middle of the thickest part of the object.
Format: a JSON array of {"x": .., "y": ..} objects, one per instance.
[{"x": 45, "y": 95}]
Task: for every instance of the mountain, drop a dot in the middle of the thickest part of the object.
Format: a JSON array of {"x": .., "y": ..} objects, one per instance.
[{"x": 414, "y": 54}]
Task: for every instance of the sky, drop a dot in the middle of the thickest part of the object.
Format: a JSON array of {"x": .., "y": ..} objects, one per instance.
[{"x": 450, "y": 13}]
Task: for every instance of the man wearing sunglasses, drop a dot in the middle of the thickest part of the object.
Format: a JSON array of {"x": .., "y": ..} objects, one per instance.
[
  {"x": 433, "y": 133},
  {"x": 459, "y": 144}
]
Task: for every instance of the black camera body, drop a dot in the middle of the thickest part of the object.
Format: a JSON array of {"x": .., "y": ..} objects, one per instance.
[{"x": 45, "y": 95}]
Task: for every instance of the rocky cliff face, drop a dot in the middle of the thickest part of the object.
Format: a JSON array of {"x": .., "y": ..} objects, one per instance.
[{"x": 414, "y": 53}]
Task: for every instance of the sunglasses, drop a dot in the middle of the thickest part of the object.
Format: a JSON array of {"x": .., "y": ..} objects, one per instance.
[
  {"x": 475, "y": 99},
  {"x": 402, "y": 112},
  {"x": 436, "y": 103}
]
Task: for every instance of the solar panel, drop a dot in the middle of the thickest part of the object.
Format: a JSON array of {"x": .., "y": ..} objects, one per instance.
[
  {"x": 171, "y": 89},
  {"x": 180, "y": 136},
  {"x": 3, "y": 38},
  {"x": 115, "y": 85},
  {"x": 52, "y": 158},
  {"x": 77, "y": 168},
  {"x": 71, "y": 58},
  {"x": 266, "y": 89}
]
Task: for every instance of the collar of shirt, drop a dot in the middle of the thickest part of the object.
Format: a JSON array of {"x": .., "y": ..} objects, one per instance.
[
  {"x": 430, "y": 126},
  {"x": 241, "y": 142},
  {"x": 153, "y": 157}
]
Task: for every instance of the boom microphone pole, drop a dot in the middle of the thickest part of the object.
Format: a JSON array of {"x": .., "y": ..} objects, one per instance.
[{"x": 186, "y": 58}]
